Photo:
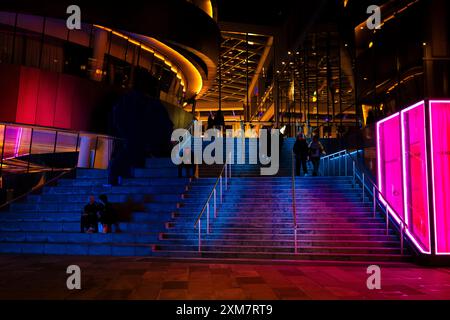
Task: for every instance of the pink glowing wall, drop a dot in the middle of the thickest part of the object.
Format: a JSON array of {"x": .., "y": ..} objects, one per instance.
[
  {"x": 390, "y": 162},
  {"x": 44, "y": 98},
  {"x": 425, "y": 177},
  {"x": 440, "y": 153},
  {"x": 415, "y": 176}
]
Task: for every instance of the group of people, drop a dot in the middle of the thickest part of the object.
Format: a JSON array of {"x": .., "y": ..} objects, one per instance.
[
  {"x": 304, "y": 152},
  {"x": 96, "y": 212}
]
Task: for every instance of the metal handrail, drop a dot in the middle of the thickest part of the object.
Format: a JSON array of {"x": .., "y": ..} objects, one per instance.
[
  {"x": 372, "y": 188},
  {"x": 294, "y": 204},
  {"x": 37, "y": 188},
  {"x": 46, "y": 128},
  {"x": 225, "y": 173}
]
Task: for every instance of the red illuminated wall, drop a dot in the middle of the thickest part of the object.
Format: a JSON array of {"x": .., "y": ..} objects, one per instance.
[{"x": 33, "y": 96}]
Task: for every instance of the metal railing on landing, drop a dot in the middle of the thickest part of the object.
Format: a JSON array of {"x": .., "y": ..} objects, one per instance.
[
  {"x": 336, "y": 164},
  {"x": 21, "y": 144},
  {"x": 37, "y": 188},
  {"x": 294, "y": 204},
  {"x": 225, "y": 174}
]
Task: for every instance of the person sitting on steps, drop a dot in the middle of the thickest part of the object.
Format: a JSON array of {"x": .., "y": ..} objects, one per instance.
[{"x": 89, "y": 216}]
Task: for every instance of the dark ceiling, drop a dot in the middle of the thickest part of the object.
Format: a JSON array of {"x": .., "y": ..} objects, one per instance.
[{"x": 259, "y": 12}]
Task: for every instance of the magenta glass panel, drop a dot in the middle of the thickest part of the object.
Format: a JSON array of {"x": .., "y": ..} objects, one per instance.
[
  {"x": 415, "y": 174},
  {"x": 390, "y": 162},
  {"x": 440, "y": 153}
]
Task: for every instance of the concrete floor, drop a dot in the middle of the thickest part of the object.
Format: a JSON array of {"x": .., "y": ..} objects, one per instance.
[{"x": 44, "y": 277}]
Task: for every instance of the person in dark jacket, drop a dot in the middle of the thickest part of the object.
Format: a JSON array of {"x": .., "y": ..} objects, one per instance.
[
  {"x": 108, "y": 215},
  {"x": 301, "y": 154},
  {"x": 89, "y": 216},
  {"x": 189, "y": 167},
  {"x": 210, "y": 121},
  {"x": 219, "y": 120},
  {"x": 315, "y": 152}
]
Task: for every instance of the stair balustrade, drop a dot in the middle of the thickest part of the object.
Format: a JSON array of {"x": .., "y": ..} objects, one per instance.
[
  {"x": 223, "y": 182},
  {"x": 331, "y": 165}
]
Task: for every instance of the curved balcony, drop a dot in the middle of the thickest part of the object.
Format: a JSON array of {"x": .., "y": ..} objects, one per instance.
[{"x": 178, "y": 33}]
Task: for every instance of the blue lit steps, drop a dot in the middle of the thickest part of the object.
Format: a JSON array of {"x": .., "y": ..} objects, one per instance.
[
  {"x": 49, "y": 222},
  {"x": 255, "y": 222}
]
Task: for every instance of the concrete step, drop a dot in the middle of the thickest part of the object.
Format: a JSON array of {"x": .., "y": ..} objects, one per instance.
[
  {"x": 193, "y": 236},
  {"x": 81, "y": 199},
  {"x": 73, "y": 227},
  {"x": 67, "y": 237},
  {"x": 280, "y": 249},
  {"x": 284, "y": 231},
  {"x": 91, "y": 173},
  {"x": 220, "y": 224},
  {"x": 286, "y": 243},
  {"x": 171, "y": 172},
  {"x": 373, "y": 258},
  {"x": 82, "y": 249}
]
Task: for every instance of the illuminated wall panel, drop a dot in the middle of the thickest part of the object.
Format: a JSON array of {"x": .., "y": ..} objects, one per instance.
[
  {"x": 390, "y": 162},
  {"x": 415, "y": 176},
  {"x": 425, "y": 177},
  {"x": 440, "y": 155}
]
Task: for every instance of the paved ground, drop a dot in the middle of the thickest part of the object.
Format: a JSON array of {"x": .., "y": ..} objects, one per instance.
[{"x": 44, "y": 277}]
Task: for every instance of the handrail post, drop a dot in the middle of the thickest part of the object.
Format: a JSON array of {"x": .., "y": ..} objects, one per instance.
[
  {"x": 374, "y": 192},
  {"x": 207, "y": 218},
  {"x": 401, "y": 238},
  {"x": 230, "y": 167},
  {"x": 328, "y": 166},
  {"x": 226, "y": 177},
  {"x": 221, "y": 192},
  {"x": 354, "y": 174},
  {"x": 346, "y": 155},
  {"x": 340, "y": 165},
  {"x": 363, "y": 187},
  {"x": 199, "y": 226},
  {"x": 295, "y": 240},
  {"x": 387, "y": 218},
  {"x": 215, "y": 204},
  {"x": 334, "y": 166}
]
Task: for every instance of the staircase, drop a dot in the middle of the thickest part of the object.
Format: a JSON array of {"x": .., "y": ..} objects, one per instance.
[
  {"x": 159, "y": 210},
  {"x": 256, "y": 222},
  {"x": 246, "y": 169},
  {"x": 49, "y": 222}
]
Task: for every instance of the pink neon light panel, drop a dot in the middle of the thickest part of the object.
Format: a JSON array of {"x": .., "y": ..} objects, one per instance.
[
  {"x": 415, "y": 173},
  {"x": 440, "y": 149},
  {"x": 390, "y": 162}
]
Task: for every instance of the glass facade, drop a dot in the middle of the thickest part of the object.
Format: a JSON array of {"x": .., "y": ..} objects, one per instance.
[{"x": 93, "y": 52}]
